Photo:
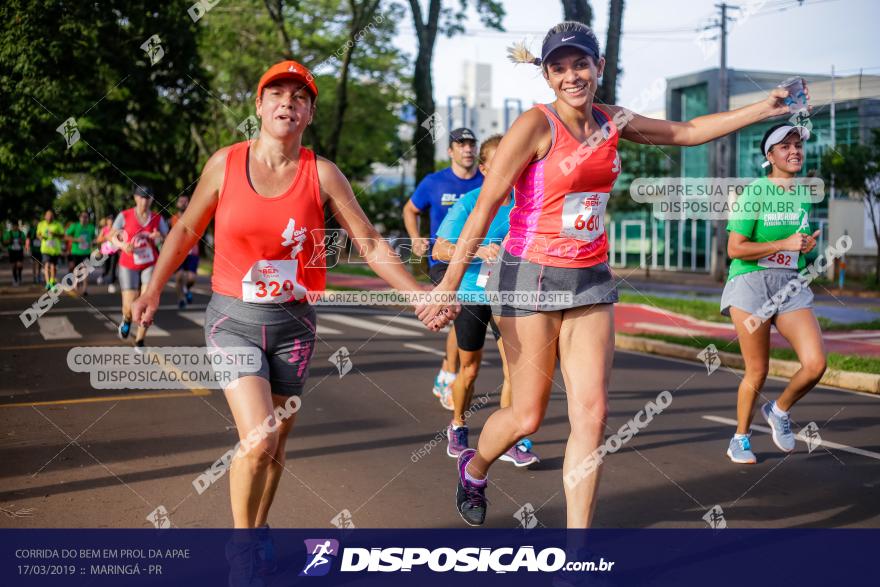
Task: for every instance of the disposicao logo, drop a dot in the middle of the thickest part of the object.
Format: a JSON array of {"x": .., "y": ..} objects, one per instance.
[{"x": 320, "y": 553}]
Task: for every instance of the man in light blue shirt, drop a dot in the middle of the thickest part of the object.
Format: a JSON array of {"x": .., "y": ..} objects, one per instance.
[{"x": 476, "y": 315}]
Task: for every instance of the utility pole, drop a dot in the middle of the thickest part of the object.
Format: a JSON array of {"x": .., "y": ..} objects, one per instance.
[{"x": 722, "y": 145}]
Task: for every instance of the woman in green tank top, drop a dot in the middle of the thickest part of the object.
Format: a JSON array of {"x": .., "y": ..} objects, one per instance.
[{"x": 769, "y": 235}]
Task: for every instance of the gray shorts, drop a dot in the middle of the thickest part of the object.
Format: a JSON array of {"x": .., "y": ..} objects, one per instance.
[
  {"x": 283, "y": 333},
  {"x": 515, "y": 279},
  {"x": 134, "y": 279},
  {"x": 754, "y": 293}
]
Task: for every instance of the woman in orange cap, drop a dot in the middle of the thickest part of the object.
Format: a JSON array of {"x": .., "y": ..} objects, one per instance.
[{"x": 266, "y": 198}]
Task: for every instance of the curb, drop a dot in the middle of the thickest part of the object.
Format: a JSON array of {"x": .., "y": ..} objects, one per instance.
[{"x": 866, "y": 382}]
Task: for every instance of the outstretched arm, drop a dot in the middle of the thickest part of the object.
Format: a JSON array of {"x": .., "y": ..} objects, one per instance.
[{"x": 652, "y": 131}]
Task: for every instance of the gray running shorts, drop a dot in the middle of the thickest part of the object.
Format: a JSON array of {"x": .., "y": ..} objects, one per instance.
[
  {"x": 516, "y": 279},
  {"x": 283, "y": 333},
  {"x": 134, "y": 279},
  {"x": 754, "y": 293}
]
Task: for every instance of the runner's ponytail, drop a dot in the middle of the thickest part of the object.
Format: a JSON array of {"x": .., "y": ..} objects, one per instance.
[{"x": 519, "y": 53}]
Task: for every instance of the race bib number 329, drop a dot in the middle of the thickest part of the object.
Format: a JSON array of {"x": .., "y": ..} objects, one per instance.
[{"x": 271, "y": 282}]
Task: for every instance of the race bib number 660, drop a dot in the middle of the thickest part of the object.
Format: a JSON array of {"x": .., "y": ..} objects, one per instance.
[{"x": 583, "y": 215}]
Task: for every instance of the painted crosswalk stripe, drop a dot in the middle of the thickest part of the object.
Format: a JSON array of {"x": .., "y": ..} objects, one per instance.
[
  {"x": 417, "y": 324},
  {"x": 153, "y": 331},
  {"x": 199, "y": 318},
  {"x": 324, "y": 330},
  {"x": 371, "y": 325},
  {"x": 822, "y": 442},
  {"x": 439, "y": 353},
  {"x": 57, "y": 327},
  {"x": 195, "y": 317}
]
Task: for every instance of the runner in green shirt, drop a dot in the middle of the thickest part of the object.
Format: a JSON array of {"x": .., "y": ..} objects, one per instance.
[
  {"x": 80, "y": 235},
  {"x": 50, "y": 232},
  {"x": 769, "y": 234},
  {"x": 14, "y": 239}
]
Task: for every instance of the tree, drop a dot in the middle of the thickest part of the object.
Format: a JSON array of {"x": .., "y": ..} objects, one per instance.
[
  {"x": 118, "y": 78},
  {"x": 577, "y": 10},
  {"x": 856, "y": 169},
  {"x": 241, "y": 41},
  {"x": 491, "y": 13},
  {"x": 637, "y": 161},
  {"x": 608, "y": 91},
  {"x": 581, "y": 11}
]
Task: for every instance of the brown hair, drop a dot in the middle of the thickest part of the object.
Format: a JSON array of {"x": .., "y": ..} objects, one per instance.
[{"x": 490, "y": 143}]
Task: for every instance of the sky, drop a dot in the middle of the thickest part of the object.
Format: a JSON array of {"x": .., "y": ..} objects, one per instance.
[{"x": 660, "y": 38}]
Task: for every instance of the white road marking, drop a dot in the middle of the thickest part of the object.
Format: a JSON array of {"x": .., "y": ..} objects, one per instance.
[
  {"x": 57, "y": 327},
  {"x": 427, "y": 349},
  {"x": 195, "y": 317},
  {"x": 371, "y": 325},
  {"x": 822, "y": 442}
]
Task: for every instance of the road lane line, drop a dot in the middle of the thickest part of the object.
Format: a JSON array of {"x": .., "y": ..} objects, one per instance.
[
  {"x": 57, "y": 327},
  {"x": 109, "y": 398},
  {"x": 418, "y": 324},
  {"x": 823, "y": 442},
  {"x": 327, "y": 330},
  {"x": 370, "y": 325},
  {"x": 195, "y": 317},
  {"x": 427, "y": 349},
  {"x": 111, "y": 309}
]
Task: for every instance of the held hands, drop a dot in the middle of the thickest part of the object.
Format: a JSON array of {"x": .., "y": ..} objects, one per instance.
[{"x": 442, "y": 309}]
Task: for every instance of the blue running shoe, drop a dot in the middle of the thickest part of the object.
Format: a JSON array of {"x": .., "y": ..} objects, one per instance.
[
  {"x": 124, "y": 329},
  {"x": 438, "y": 387},
  {"x": 780, "y": 427},
  {"x": 740, "y": 451},
  {"x": 520, "y": 454},
  {"x": 189, "y": 297}
]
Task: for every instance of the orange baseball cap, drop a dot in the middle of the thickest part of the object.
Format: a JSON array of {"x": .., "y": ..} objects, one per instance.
[{"x": 290, "y": 70}]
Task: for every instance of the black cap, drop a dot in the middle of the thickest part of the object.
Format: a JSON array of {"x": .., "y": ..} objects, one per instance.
[
  {"x": 577, "y": 39},
  {"x": 143, "y": 191},
  {"x": 462, "y": 134}
]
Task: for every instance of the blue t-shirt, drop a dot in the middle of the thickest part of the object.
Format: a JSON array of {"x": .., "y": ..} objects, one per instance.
[
  {"x": 439, "y": 192},
  {"x": 450, "y": 229}
]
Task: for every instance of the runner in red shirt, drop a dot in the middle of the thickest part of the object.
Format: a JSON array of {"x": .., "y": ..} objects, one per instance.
[
  {"x": 266, "y": 199},
  {"x": 140, "y": 229}
]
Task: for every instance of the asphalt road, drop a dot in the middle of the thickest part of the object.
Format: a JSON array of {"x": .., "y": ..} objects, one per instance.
[{"x": 73, "y": 456}]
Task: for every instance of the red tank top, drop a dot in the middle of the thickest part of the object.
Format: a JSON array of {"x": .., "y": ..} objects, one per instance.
[
  {"x": 145, "y": 252},
  {"x": 268, "y": 250},
  {"x": 558, "y": 218}
]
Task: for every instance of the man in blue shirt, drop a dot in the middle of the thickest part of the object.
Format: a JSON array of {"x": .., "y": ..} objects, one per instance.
[{"x": 437, "y": 193}]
